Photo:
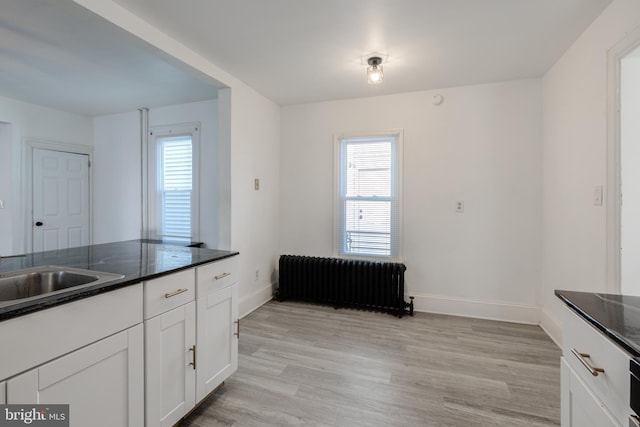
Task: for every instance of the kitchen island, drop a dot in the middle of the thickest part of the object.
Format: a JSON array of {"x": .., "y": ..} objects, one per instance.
[{"x": 141, "y": 350}]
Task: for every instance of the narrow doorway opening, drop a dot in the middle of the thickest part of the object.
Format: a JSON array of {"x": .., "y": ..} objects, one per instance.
[
  {"x": 629, "y": 134},
  {"x": 623, "y": 164}
]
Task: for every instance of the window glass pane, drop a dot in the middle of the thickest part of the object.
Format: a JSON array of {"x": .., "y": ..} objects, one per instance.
[
  {"x": 368, "y": 223},
  {"x": 368, "y": 227},
  {"x": 368, "y": 169},
  {"x": 176, "y": 187}
]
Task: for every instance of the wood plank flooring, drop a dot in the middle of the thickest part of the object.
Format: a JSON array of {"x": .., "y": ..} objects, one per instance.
[{"x": 310, "y": 365}]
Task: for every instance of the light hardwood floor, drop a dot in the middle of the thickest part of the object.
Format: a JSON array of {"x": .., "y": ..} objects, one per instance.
[{"x": 311, "y": 365}]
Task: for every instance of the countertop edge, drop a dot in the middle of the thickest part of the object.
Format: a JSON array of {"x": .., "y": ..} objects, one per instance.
[
  {"x": 620, "y": 340},
  {"x": 45, "y": 302}
]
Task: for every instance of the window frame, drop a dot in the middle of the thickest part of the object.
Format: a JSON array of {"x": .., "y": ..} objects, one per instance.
[
  {"x": 338, "y": 242},
  {"x": 156, "y": 134}
]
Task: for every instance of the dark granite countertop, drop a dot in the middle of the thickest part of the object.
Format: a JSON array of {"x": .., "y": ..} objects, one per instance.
[
  {"x": 617, "y": 316},
  {"x": 137, "y": 260}
]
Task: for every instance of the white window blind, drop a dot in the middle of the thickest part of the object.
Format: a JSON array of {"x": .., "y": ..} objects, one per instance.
[
  {"x": 368, "y": 201},
  {"x": 176, "y": 187}
]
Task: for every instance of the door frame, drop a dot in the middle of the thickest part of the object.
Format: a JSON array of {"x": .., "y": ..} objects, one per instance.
[
  {"x": 29, "y": 144},
  {"x": 614, "y": 184}
]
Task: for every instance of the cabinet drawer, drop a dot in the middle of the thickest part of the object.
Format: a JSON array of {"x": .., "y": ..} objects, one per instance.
[
  {"x": 216, "y": 275},
  {"x": 611, "y": 386},
  {"x": 168, "y": 292}
]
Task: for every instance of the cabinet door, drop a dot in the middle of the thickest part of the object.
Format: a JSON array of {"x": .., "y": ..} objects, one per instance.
[
  {"x": 103, "y": 383},
  {"x": 579, "y": 406},
  {"x": 170, "y": 369},
  {"x": 217, "y": 341}
]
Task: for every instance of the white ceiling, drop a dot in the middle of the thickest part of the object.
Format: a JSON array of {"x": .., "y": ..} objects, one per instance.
[
  {"x": 297, "y": 51},
  {"x": 55, "y": 53}
]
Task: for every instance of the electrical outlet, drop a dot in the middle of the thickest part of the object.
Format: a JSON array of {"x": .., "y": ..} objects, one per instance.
[
  {"x": 257, "y": 274},
  {"x": 459, "y": 206},
  {"x": 256, "y": 184}
]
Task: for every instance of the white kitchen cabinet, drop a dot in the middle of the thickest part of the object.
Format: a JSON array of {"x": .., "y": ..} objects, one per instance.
[
  {"x": 579, "y": 406},
  {"x": 190, "y": 346},
  {"x": 170, "y": 365},
  {"x": 98, "y": 356},
  {"x": 217, "y": 339},
  {"x": 218, "y": 324},
  {"x": 594, "y": 376},
  {"x": 103, "y": 382},
  {"x": 170, "y": 347}
]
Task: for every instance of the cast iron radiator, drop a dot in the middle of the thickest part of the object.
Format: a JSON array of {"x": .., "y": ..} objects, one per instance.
[{"x": 344, "y": 283}]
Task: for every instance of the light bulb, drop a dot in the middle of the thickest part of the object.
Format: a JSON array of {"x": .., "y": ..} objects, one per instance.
[{"x": 374, "y": 74}]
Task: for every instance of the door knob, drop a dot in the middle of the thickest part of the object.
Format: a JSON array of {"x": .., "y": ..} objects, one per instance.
[{"x": 39, "y": 224}]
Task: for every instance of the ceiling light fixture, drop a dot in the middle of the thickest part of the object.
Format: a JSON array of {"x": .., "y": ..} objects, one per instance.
[{"x": 374, "y": 70}]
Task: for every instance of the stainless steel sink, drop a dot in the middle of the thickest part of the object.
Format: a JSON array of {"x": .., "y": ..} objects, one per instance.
[{"x": 34, "y": 282}]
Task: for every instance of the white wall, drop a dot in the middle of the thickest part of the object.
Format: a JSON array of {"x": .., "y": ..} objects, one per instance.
[
  {"x": 206, "y": 113},
  {"x": 117, "y": 178},
  {"x": 22, "y": 121},
  {"x": 630, "y": 174},
  {"x": 575, "y": 160},
  {"x": 255, "y": 227},
  {"x": 117, "y": 169},
  {"x": 251, "y": 142},
  {"x": 482, "y": 146}
]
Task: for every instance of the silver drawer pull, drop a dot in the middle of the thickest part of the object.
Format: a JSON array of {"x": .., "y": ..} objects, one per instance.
[
  {"x": 582, "y": 357},
  {"x": 174, "y": 293},
  {"x": 193, "y": 361},
  {"x": 221, "y": 276}
]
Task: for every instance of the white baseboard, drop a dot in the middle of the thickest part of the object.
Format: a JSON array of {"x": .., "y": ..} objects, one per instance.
[
  {"x": 492, "y": 310},
  {"x": 551, "y": 326},
  {"x": 251, "y": 302}
]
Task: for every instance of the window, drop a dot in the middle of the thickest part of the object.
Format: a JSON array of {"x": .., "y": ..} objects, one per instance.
[
  {"x": 173, "y": 183},
  {"x": 368, "y": 202}
]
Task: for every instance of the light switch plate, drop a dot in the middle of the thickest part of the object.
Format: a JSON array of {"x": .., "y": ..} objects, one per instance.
[
  {"x": 597, "y": 195},
  {"x": 256, "y": 183}
]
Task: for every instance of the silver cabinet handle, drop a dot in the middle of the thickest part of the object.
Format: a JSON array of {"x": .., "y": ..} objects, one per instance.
[
  {"x": 174, "y": 293},
  {"x": 237, "y": 333},
  {"x": 582, "y": 357},
  {"x": 193, "y": 363},
  {"x": 221, "y": 276}
]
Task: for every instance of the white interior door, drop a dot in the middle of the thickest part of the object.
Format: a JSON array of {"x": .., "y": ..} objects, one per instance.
[{"x": 60, "y": 200}]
